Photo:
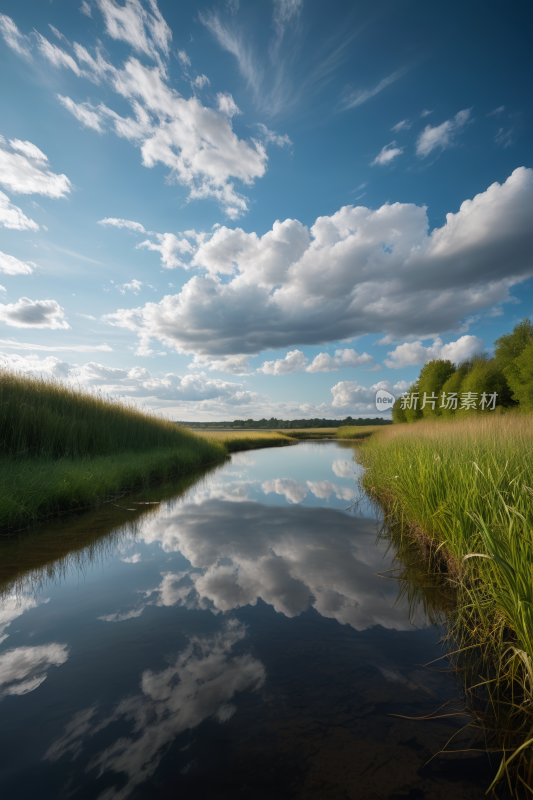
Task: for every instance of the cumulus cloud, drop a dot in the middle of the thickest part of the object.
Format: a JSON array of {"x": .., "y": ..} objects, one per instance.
[
  {"x": 227, "y": 105},
  {"x": 324, "y": 489},
  {"x": 290, "y": 489},
  {"x": 234, "y": 365},
  {"x": 171, "y": 248},
  {"x": 357, "y": 272},
  {"x": 23, "y": 669},
  {"x": 294, "y": 361},
  {"x": 323, "y": 362},
  {"x": 442, "y": 136},
  {"x": 134, "y": 286},
  {"x": 412, "y": 354},
  {"x": 10, "y": 265},
  {"x": 200, "y": 81},
  {"x": 351, "y": 397},
  {"x": 28, "y": 313},
  {"x": 26, "y": 172},
  {"x": 13, "y": 217},
  {"x": 387, "y": 153},
  {"x": 198, "y": 684},
  {"x": 281, "y": 140}
]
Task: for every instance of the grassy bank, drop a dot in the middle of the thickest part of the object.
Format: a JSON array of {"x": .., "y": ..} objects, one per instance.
[
  {"x": 462, "y": 488},
  {"x": 245, "y": 440},
  {"x": 63, "y": 449},
  {"x": 358, "y": 432}
]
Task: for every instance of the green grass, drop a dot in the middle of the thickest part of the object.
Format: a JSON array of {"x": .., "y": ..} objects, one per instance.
[
  {"x": 464, "y": 486},
  {"x": 245, "y": 440},
  {"x": 357, "y": 431}
]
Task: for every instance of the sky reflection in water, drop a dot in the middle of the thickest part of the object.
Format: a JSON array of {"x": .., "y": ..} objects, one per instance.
[{"x": 103, "y": 673}]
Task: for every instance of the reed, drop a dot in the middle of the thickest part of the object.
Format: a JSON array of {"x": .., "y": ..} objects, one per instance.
[
  {"x": 463, "y": 487},
  {"x": 358, "y": 432},
  {"x": 63, "y": 449}
]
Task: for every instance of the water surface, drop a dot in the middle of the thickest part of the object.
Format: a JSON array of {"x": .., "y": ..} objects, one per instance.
[{"x": 226, "y": 636}]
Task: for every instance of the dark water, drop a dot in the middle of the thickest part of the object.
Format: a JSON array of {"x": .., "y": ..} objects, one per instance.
[{"x": 232, "y": 639}]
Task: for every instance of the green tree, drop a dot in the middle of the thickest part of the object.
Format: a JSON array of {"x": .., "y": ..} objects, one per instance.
[
  {"x": 519, "y": 375},
  {"x": 413, "y": 414},
  {"x": 432, "y": 378},
  {"x": 511, "y": 345},
  {"x": 454, "y": 385},
  {"x": 398, "y": 413},
  {"x": 487, "y": 376}
]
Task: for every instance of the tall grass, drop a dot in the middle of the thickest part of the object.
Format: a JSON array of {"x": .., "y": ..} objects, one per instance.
[
  {"x": 62, "y": 448},
  {"x": 42, "y": 417},
  {"x": 464, "y": 487},
  {"x": 358, "y": 431}
]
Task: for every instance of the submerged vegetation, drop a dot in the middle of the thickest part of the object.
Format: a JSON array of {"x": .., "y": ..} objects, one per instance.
[
  {"x": 63, "y": 449},
  {"x": 462, "y": 489}
]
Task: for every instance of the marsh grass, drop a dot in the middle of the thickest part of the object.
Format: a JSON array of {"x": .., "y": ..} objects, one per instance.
[
  {"x": 357, "y": 431},
  {"x": 245, "y": 440},
  {"x": 62, "y": 449},
  {"x": 462, "y": 489}
]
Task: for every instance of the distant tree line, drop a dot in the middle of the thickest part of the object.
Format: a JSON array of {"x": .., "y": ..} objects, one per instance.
[
  {"x": 477, "y": 384},
  {"x": 282, "y": 424}
]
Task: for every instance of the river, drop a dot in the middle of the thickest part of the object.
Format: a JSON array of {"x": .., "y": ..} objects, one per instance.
[{"x": 231, "y": 635}]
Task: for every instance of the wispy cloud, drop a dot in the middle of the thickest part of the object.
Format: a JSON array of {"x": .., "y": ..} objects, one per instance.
[
  {"x": 441, "y": 135},
  {"x": 352, "y": 99},
  {"x": 74, "y": 348},
  {"x": 404, "y": 125},
  {"x": 496, "y": 112},
  {"x": 504, "y": 137},
  {"x": 387, "y": 154}
]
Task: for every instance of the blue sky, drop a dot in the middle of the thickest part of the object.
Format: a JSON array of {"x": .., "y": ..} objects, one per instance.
[{"x": 259, "y": 209}]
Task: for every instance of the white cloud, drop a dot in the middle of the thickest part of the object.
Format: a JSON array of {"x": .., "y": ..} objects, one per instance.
[
  {"x": 28, "y": 313},
  {"x": 83, "y": 112},
  {"x": 354, "y": 398},
  {"x": 23, "y": 669},
  {"x": 26, "y": 174},
  {"x": 386, "y": 154},
  {"x": 13, "y": 217},
  {"x": 13, "y": 606},
  {"x": 75, "y": 348},
  {"x": 404, "y": 125},
  {"x": 227, "y": 105},
  {"x": 58, "y": 57},
  {"x": 234, "y": 365},
  {"x": 171, "y": 249},
  {"x": 146, "y": 31},
  {"x": 273, "y": 137},
  {"x": 134, "y": 286},
  {"x": 290, "y": 489},
  {"x": 323, "y": 362},
  {"x": 197, "y": 143},
  {"x": 200, "y": 81},
  {"x": 13, "y": 37},
  {"x": 134, "y": 559},
  {"x": 357, "y": 272},
  {"x": 136, "y": 227},
  {"x": 294, "y": 361},
  {"x": 504, "y": 137},
  {"x": 28, "y": 149},
  {"x": 324, "y": 489},
  {"x": 199, "y": 683},
  {"x": 357, "y": 98},
  {"x": 441, "y": 135},
  {"x": 85, "y": 8},
  {"x": 496, "y": 112},
  {"x": 413, "y": 354},
  {"x": 343, "y": 469},
  {"x": 183, "y": 58}
]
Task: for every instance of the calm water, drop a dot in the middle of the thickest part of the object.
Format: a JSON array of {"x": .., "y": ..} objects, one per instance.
[{"x": 227, "y": 638}]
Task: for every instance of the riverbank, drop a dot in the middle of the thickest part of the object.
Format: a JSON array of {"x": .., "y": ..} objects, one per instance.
[
  {"x": 462, "y": 490},
  {"x": 64, "y": 450}
]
